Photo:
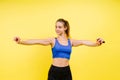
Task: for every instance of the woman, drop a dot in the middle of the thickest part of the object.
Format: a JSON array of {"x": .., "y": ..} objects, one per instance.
[{"x": 61, "y": 48}]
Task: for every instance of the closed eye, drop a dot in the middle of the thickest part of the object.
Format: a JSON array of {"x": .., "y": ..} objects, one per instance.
[{"x": 58, "y": 26}]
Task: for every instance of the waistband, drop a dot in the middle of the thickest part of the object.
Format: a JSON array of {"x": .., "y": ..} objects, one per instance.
[{"x": 60, "y": 67}]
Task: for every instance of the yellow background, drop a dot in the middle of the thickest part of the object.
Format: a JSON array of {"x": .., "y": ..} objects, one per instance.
[{"x": 35, "y": 19}]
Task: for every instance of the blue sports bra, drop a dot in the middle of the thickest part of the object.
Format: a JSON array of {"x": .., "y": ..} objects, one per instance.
[{"x": 61, "y": 51}]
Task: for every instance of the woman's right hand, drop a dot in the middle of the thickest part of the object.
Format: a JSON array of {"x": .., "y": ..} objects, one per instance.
[{"x": 17, "y": 40}]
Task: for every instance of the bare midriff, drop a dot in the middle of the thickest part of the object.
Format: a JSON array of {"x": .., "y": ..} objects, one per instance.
[{"x": 60, "y": 62}]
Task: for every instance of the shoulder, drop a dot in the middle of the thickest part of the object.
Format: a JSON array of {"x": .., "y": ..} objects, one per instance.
[
  {"x": 71, "y": 40},
  {"x": 51, "y": 39}
]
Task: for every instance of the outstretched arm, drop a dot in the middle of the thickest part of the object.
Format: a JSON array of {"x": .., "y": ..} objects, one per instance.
[
  {"x": 76, "y": 43},
  {"x": 44, "y": 42}
]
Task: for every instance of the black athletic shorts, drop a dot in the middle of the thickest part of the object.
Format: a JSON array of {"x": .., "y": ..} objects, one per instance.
[{"x": 59, "y": 73}]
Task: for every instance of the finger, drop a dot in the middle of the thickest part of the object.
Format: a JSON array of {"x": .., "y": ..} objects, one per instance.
[
  {"x": 98, "y": 39},
  {"x": 102, "y": 41}
]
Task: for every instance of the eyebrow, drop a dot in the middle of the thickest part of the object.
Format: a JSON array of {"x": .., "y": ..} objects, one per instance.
[{"x": 58, "y": 26}]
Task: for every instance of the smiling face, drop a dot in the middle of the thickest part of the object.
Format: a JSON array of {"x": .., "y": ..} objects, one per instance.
[{"x": 60, "y": 28}]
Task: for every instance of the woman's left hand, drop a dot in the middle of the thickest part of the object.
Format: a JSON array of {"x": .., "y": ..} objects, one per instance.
[{"x": 100, "y": 41}]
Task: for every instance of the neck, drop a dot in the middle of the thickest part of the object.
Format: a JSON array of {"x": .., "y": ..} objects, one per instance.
[{"x": 62, "y": 36}]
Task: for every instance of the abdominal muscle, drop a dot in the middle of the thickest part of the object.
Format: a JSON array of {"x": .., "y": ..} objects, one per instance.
[{"x": 60, "y": 62}]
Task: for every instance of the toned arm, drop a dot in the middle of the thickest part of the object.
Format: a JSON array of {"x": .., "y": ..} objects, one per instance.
[
  {"x": 45, "y": 42},
  {"x": 76, "y": 43}
]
